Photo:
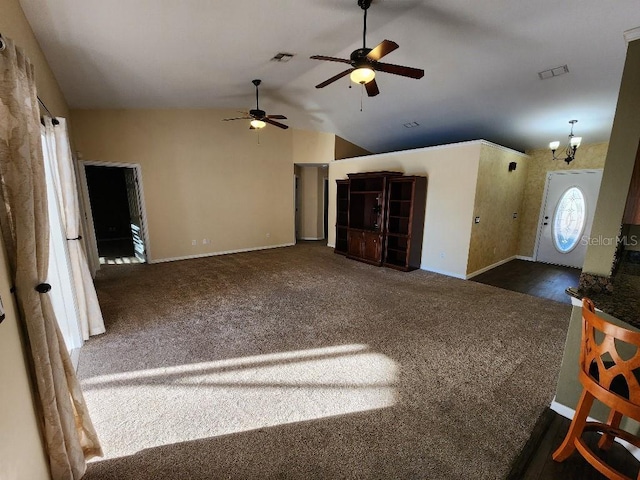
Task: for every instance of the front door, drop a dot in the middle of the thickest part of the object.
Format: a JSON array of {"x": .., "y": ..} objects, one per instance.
[{"x": 567, "y": 216}]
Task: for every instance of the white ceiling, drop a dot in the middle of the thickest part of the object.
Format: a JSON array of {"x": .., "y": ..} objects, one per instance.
[{"x": 481, "y": 60}]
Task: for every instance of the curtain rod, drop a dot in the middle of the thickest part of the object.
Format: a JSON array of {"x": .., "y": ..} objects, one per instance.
[{"x": 54, "y": 120}]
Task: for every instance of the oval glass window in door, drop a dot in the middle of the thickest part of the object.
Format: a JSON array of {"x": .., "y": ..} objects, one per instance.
[{"x": 569, "y": 220}]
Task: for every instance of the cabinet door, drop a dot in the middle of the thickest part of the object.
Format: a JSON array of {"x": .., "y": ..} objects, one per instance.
[
  {"x": 355, "y": 240},
  {"x": 372, "y": 248}
]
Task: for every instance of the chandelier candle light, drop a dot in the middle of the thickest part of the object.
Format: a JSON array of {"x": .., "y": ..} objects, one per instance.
[{"x": 572, "y": 146}]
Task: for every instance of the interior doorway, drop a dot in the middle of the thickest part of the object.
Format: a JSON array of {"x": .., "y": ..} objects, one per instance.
[
  {"x": 311, "y": 201},
  {"x": 566, "y": 217},
  {"x": 117, "y": 212}
]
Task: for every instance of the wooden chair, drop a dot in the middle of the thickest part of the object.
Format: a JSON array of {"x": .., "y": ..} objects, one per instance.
[{"x": 611, "y": 376}]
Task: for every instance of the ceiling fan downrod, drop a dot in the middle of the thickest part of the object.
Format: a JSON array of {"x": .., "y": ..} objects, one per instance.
[
  {"x": 364, "y": 4},
  {"x": 256, "y": 83}
]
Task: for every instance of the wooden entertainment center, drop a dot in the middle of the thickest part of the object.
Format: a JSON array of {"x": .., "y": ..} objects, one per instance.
[{"x": 380, "y": 218}]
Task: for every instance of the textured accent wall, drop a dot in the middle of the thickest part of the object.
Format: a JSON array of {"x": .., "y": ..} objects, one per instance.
[
  {"x": 499, "y": 194},
  {"x": 540, "y": 163}
]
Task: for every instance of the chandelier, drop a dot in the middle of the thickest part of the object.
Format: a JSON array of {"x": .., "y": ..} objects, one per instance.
[{"x": 572, "y": 146}]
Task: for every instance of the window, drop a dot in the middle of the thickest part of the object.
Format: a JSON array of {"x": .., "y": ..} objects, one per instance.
[{"x": 569, "y": 220}]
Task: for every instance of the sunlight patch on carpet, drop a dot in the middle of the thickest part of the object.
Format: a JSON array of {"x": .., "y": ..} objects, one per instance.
[{"x": 147, "y": 408}]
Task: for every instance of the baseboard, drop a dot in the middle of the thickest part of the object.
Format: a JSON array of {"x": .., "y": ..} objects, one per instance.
[
  {"x": 331, "y": 245},
  {"x": 568, "y": 412},
  {"x": 443, "y": 272},
  {"x": 311, "y": 238},
  {"x": 214, "y": 254},
  {"x": 486, "y": 269},
  {"x": 526, "y": 259}
]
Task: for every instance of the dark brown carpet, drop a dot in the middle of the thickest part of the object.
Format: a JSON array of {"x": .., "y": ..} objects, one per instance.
[{"x": 296, "y": 363}]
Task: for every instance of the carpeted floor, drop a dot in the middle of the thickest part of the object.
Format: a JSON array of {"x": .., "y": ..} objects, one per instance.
[{"x": 296, "y": 363}]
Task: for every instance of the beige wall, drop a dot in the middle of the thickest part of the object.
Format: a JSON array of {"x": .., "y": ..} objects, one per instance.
[
  {"x": 21, "y": 452},
  {"x": 540, "y": 163},
  {"x": 451, "y": 172},
  {"x": 203, "y": 178},
  {"x": 312, "y": 147},
  {"x": 623, "y": 146},
  {"x": 499, "y": 194},
  {"x": 346, "y": 149}
]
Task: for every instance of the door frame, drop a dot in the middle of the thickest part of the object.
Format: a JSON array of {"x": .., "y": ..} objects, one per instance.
[
  {"x": 137, "y": 169},
  {"x": 544, "y": 201}
]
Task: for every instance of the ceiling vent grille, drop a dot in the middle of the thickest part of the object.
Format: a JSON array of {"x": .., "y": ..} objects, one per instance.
[
  {"x": 411, "y": 125},
  {"x": 553, "y": 72},
  {"x": 282, "y": 57}
]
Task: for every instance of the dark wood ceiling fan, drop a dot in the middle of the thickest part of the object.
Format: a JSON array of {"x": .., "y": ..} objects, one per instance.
[
  {"x": 365, "y": 61},
  {"x": 259, "y": 117}
]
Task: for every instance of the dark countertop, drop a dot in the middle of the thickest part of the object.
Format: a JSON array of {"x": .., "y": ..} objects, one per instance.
[{"x": 624, "y": 302}]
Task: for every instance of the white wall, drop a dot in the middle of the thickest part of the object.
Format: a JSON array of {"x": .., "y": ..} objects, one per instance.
[{"x": 452, "y": 173}]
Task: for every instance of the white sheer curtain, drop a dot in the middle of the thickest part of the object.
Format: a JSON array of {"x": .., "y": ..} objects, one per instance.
[{"x": 64, "y": 182}]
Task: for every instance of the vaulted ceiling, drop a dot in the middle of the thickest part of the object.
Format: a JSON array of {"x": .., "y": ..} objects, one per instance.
[{"x": 481, "y": 61}]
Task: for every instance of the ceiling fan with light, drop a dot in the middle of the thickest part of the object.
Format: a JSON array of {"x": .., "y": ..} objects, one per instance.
[
  {"x": 365, "y": 61},
  {"x": 259, "y": 118}
]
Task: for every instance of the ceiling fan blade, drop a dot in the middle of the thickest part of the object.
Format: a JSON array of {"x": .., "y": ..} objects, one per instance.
[
  {"x": 273, "y": 122},
  {"x": 334, "y": 78},
  {"x": 279, "y": 117},
  {"x": 237, "y": 118},
  {"x": 383, "y": 48},
  {"x": 372, "y": 88},
  {"x": 330, "y": 59},
  {"x": 399, "y": 70}
]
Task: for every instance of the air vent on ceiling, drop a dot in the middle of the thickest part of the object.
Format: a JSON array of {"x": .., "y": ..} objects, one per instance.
[
  {"x": 411, "y": 125},
  {"x": 553, "y": 72},
  {"x": 282, "y": 57}
]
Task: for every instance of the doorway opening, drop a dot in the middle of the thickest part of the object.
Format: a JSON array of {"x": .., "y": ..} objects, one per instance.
[
  {"x": 116, "y": 211},
  {"x": 311, "y": 201}
]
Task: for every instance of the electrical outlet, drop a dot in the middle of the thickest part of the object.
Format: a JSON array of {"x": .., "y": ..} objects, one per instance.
[
  {"x": 268, "y": 235},
  {"x": 194, "y": 242},
  {"x": 515, "y": 214},
  {"x": 441, "y": 254},
  {"x": 476, "y": 220},
  {"x": 206, "y": 241}
]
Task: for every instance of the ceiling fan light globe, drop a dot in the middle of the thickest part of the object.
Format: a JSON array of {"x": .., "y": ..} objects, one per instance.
[
  {"x": 362, "y": 75},
  {"x": 255, "y": 123}
]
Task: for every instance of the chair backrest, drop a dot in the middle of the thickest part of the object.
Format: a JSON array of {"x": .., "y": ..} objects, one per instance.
[{"x": 610, "y": 362}]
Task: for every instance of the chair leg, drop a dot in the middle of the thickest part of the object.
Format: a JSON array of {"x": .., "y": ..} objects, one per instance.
[
  {"x": 575, "y": 429},
  {"x": 614, "y": 421}
]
